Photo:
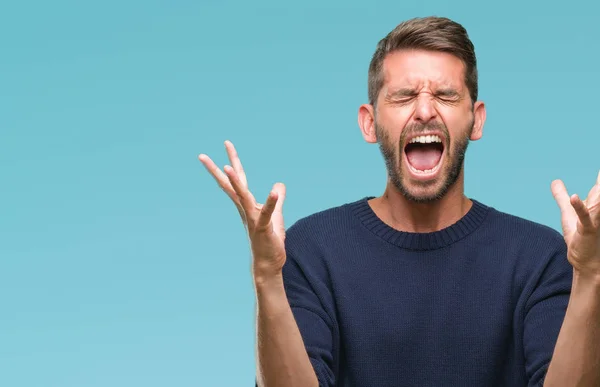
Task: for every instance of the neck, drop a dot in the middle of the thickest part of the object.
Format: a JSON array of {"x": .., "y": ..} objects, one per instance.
[{"x": 405, "y": 215}]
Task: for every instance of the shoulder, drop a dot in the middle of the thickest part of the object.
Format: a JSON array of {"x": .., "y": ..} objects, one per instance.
[
  {"x": 518, "y": 228},
  {"x": 533, "y": 244},
  {"x": 313, "y": 234},
  {"x": 308, "y": 245},
  {"x": 534, "y": 253},
  {"x": 328, "y": 221}
]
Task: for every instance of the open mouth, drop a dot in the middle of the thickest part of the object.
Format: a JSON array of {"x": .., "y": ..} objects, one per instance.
[{"x": 424, "y": 154}]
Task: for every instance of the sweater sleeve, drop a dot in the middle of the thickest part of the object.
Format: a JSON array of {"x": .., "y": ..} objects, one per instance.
[
  {"x": 544, "y": 314},
  {"x": 312, "y": 304}
]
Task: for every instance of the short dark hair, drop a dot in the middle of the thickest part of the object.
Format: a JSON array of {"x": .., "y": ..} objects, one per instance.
[{"x": 426, "y": 33}]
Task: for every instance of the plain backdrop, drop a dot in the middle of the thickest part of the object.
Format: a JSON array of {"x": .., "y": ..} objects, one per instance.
[{"x": 121, "y": 262}]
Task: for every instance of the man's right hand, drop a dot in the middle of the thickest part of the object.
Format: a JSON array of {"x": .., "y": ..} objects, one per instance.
[
  {"x": 282, "y": 357},
  {"x": 263, "y": 222}
]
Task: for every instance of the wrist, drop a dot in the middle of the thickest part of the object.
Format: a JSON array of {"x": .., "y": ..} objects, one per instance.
[
  {"x": 587, "y": 277},
  {"x": 268, "y": 281},
  {"x": 267, "y": 273},
  {"x": 586, "y": 283},
  {"x": 271, "y": 299}
]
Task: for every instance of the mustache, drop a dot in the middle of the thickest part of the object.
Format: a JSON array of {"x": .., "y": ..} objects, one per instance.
[{"x": 417, "y": 128}]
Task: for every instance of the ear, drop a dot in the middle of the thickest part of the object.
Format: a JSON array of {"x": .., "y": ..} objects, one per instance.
[
  {"x": 366, "y": 122},
  {"x": 479, "y": 112}
]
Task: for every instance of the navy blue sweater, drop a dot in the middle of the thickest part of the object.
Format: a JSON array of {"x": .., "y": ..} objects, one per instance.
[{"x": 479, "y": 303}]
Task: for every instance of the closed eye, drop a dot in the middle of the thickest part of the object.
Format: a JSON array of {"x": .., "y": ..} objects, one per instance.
[
  {"x": 402, "y": 100},
  {"x": 401, "y": 96},
  {"x": 448, "y": 95}
]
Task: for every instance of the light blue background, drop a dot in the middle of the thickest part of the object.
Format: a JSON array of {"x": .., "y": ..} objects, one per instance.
[{"x": 122, "y": 263}]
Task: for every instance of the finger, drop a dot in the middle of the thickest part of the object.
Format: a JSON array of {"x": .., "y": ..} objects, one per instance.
[
  {"x": 264, "y": 219},
  {"x": 592, "y": 202},
  {"x": 568, "y": 215},
  {"x": 582, "y": 213},
  {"x": 280, "y": 188},
  {"x": 235, "y": 162},
  {"x": 246, "y": 199},
  {"x": 219, "y": 176},
  {"x": 598, "y": 179},
  {"x": 559, "y": 191}
]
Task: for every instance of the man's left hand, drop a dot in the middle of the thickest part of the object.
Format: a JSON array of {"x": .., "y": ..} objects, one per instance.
[{"x": 581, "y": 227}]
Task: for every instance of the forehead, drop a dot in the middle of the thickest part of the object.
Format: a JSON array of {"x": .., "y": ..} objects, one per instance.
[{"x": 418, "y": 68}]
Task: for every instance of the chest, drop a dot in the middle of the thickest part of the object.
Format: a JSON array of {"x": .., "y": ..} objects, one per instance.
[{"x": 428, "y": 309}]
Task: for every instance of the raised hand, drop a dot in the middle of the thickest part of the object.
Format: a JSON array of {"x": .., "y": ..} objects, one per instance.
[
  {"x": 581, "y": 227},
  {"x": 263, "y": 222}
]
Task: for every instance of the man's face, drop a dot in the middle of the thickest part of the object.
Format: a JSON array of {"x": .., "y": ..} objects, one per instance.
[{"x": 423, "y": 121}]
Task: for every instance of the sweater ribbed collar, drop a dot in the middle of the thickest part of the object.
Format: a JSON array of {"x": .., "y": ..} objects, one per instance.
[{"x": 420, "y": 241}]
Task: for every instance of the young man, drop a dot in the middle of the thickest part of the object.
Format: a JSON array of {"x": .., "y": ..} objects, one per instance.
[{"x": 422, "y": 286}]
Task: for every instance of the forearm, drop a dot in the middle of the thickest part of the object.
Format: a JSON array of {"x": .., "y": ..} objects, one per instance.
[
  {"x": 281, "y": 356},
  {"x": 576, "y": 358}
]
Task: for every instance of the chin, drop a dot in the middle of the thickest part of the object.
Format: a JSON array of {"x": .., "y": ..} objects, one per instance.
[
  {"x": 422, "y": 194},
  {"x": 425, "y": 188}
]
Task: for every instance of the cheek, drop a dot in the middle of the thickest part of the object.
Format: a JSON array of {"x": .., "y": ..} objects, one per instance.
[
  {"x": 458, "y": 122},
  {"x": 394, "y": 118},
  {"x": 389, "y": 140},
  {"x": 393, "y": 131},
  {"x": 385, "y": 125}
]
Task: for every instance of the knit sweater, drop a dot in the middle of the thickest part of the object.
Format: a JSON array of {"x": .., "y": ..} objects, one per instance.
[{"x": 479, "y": 303}]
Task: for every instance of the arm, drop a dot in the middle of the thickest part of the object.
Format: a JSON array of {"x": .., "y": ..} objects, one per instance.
[
  {"x": 544, "y": 310},
  {"x": 282, "y": 313},
  {"x": 576, "y": 359},
  {"x": 282, "y": 359},
  {"x": 308, "y": 306}
]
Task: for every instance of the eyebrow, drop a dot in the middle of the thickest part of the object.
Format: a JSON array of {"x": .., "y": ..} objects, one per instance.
[
  {"x": 447, "y": 92},
  {"x": 408, "y": 92},
  {"x": 404, "y": 92}
]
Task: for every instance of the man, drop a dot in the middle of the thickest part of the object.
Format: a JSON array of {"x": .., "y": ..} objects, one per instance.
[{"x": 422, "y": 286}]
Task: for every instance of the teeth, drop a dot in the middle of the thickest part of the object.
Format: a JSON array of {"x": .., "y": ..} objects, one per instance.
[
  {"x": 426, "y": 139},
  {"x": 420, "y": 172}
]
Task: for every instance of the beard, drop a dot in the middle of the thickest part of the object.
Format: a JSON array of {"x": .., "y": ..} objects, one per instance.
[{"x": 454, "y": 161}]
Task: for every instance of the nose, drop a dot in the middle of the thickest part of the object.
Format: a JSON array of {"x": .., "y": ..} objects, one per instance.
[{"x": 425, "y": 109}]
